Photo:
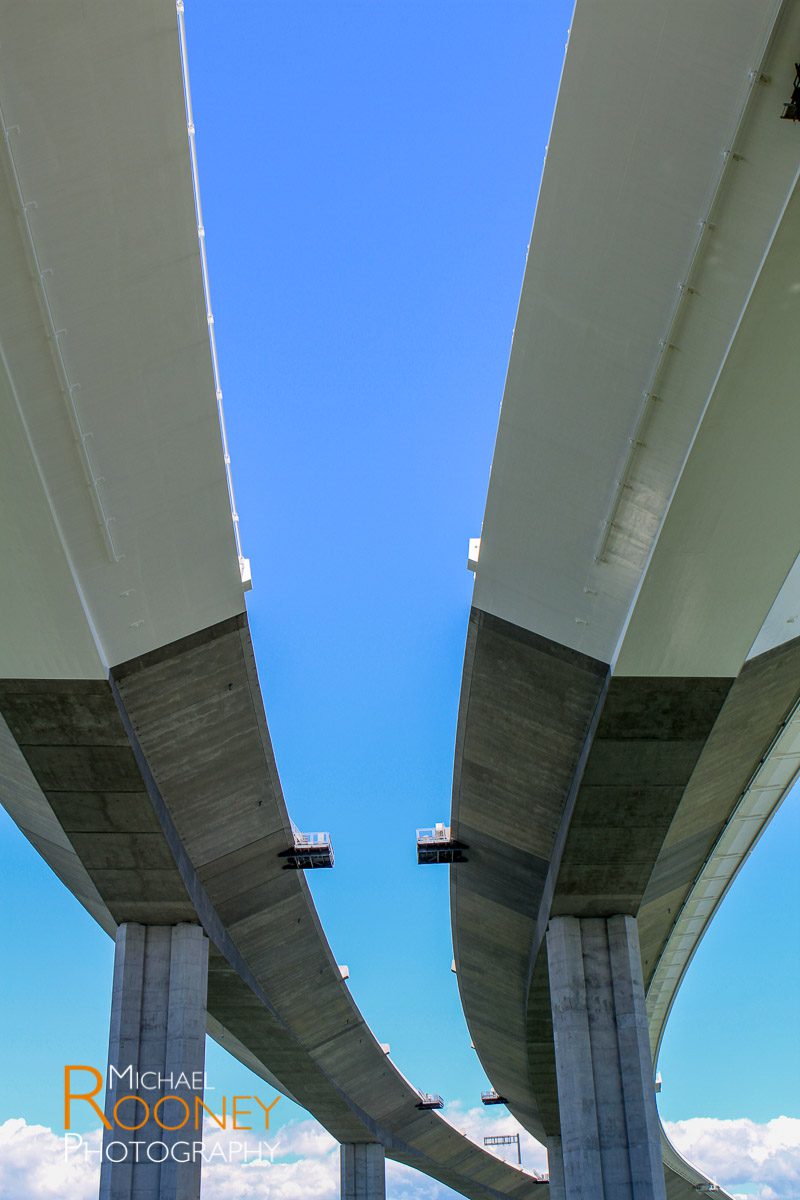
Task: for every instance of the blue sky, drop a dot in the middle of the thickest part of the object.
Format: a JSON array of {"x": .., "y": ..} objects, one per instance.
[{"x": 369, "y": 174}]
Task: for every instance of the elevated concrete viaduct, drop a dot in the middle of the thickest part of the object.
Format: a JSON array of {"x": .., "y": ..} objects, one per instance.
[
  {"x": 628, "y": 718},
  {"x": 134, "y": 751},
  {"x": 629, "y": 711}
]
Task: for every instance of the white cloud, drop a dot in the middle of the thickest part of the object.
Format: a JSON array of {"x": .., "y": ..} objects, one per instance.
[
  {"x": 739, "y": 1154},
  {"x": 32, "y": 1166},
  {"x": 304, "y": 1166},
  {"x": 478, "y": 1123},
  {"x": 761, "y": 1159}
]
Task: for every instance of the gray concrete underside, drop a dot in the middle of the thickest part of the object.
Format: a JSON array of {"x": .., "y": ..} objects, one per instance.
[
  {"x": 526, "y": 710},
  {"x": 582, "y": 795},
  {"x": 155, "y": 798}
]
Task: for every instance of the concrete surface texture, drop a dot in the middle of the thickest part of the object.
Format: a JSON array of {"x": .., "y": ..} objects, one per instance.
[
  {"x": 555, "y": 1168},
  {"x": 609, "y": 1124},
  {"x": 632, "y": 319},
  {"x": 631, "y": 680},
  {"x": 363, "y": 1172},
  {"x": 649, "y": 780},
  {"x": 629, "y": 709},
  {"x": 158, "y": 1030},
  {"x": 149, "y": 784},
  {"x": 160, "y": 786}
]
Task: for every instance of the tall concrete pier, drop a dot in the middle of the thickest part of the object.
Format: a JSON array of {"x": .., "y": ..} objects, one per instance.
[
  {"x": 609, "y": 1122},
  {"x": 555, "y": 1169},
  {"x": 157, "y": 1044},
  {"x": 363, "y": 1171}
]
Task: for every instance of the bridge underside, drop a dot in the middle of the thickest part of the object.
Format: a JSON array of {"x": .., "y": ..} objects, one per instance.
[
  {"x": 640, "y": 516},
  {"x": 628, "y": 718},
  {"x": 584, "y": 795},
  {"x": 154, "y": 796}
]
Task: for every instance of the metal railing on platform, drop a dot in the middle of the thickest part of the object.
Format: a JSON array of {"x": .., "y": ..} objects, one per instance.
[
  {"x": 308, "y": 851},
  {"x": 437, "y": 845}
]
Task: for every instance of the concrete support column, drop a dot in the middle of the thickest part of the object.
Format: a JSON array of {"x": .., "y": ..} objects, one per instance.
[
  {"x": 606, "y": 1096},
  {"x": 363, "y": 1171},
  {"x": 157, "y": 1049},
  {"x": 555, "y": 1169}
]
